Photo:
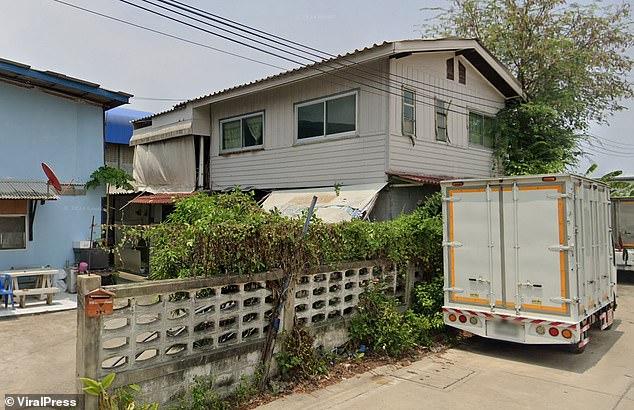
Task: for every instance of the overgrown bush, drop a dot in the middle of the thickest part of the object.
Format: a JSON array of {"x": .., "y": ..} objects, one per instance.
[
  {"x": 230, "y": 233},
  {"x": 298, "y": 359}
]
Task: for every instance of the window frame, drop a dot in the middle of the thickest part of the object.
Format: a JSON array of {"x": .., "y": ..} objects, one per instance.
[
  {"x": 450, "y": 69},
  {"x": 462, "y": 73},
  {"x": 445, "y": 113},
  {"x": 484, "y": 117},
  {"x": 26, "y": 231},
  {"x": 240, "y": 118},
  {"x": 324, "y": 100},
  {"x": 403, "y": 105}
]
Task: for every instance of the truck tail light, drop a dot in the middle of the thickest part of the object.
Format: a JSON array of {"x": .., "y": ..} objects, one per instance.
[
  {"x": 553, "y": 331},
  {"x": 549, "y": 179},
  {"x": 451, "y": 317},
  {"x": 473, "y": 320},
  {"x": 566, "y": 333},
  {"x": 462, "y": 319},
  {"x": 541, "y": 330},
  {"x": 457, "y": 183}
]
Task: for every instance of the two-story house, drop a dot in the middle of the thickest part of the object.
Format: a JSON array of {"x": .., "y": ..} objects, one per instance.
[
  {"x": 371, "y": 132},
  {"x": 51, "y": 118}
]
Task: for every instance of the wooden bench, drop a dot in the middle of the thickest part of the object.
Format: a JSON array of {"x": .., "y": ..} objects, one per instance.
[{"x": 21, "y": 294}]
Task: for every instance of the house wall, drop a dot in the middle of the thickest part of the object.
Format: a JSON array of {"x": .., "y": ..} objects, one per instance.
[
  {"x": 456, "y": 158},
  {"x": 38, "y": 127},
  {"x": 284, "y": 163}
]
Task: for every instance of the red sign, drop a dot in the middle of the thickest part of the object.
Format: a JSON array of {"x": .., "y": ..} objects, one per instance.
[{"x": 99, "y": 302}]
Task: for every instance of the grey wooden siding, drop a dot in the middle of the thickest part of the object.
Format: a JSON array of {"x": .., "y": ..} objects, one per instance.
[
  {"x": 455, "y": 158},
  {"x": 284, "y": 163}
]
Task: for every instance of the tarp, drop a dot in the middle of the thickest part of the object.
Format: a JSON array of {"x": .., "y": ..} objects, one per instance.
[
  {"x": 165, "y": 167},
  {"x": 352, "y": 201},
  {"x": 118, "y": 126}
]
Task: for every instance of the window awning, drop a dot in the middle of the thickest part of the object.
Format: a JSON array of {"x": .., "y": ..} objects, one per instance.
[
  {"x": 353, "y": 201},
  {"x": 160, "y": 199},
  {"x": 17, "y": 189}
]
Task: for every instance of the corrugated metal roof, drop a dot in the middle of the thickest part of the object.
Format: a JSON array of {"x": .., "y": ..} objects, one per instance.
[
  {"x": 329, "y": 61},
  {"x": 425, "y": 179},
  {"x": 351, "y": 201},
  {"x": 17, "y": 189},
  {"x": 160, "y": 199}
]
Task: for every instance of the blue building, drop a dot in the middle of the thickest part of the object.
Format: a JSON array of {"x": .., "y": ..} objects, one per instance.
[{"x": 51, "y": 118}]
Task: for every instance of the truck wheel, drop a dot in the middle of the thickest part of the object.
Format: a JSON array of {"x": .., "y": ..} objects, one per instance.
[{"x": 574, "y": 348}]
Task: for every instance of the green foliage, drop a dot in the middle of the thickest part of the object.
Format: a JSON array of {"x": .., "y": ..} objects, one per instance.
[
  {"x": 298, "y": 358},
  {"x": 203, "y": 394},
  {"x": 428, "y": 297},
  {"x": 106, "y": 175},
  {"x": 617, "y": 188},
  {"x": 230, "y": 233},
  {"x": 570, "y": 61},
  {"x": 123, "y": 398},
  {"x": 533, "y": 138}
]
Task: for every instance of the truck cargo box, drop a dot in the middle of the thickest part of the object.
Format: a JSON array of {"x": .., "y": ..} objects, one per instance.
[
  {"x": 528, "y": 259},
  {"x": 623, "y": 232}
]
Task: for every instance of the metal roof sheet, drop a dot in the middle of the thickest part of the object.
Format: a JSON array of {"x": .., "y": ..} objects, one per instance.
[
  {"x": 351, "y": 201},
  {"x": 160, "y": 199},
  {"x": 424, "y": 179},
  {"x": 18, "y": 189},
  {"x": 386, "y": 44},
  {"x": 119, "y": 126}
]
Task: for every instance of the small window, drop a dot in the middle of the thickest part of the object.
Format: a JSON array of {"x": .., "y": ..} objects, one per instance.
[
  {"x": 13, "y": 232},
  {"x": 481, "y": 130},
  {"x": 462, "y": 73},
  {"x": 450, "y": 70},
  {"x": 409, "y": 112},
  {"x": 326, "y": 117},
  {"x": 441, "y": 120},
  {"x": 246, "y": 131}
]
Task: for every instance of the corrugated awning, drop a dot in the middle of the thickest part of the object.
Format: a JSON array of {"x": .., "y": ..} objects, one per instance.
[
  {"x": 16, "y": 189},
  {"x": 353, "y": 201},
  {"x": 424, "y": 179},
  {"x": 160, "y": 199}
]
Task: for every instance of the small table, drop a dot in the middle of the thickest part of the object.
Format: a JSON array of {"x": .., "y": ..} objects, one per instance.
[{"x": 43, "y": 284}]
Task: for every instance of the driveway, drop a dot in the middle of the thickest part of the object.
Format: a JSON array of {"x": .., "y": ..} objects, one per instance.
[
  {"x": 486, "y": 374},
  {"x": 38, "y": 353}
]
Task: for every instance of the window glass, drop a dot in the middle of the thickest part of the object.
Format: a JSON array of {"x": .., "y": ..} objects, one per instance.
[
  {"x": 441, "y": 120},
  {"x": 341, "y": 115},
  {"x": 231, "y": 137},
  {"x": 409, "y": 112},
  {"x": 12, "y": 232},
  {"x": 310, "y": 120},
  {"x": 488, "y": 138},
  {"x": 481, "y": 130},
  {"x": 462, "y": 73},
  {"x": 450, "y": 70},
  {"x": 252, "y": 131}
]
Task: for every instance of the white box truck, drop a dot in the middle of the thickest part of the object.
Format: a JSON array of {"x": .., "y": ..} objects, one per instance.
[
  {"x": 528, "y": 259},
  {"x": 623, "y": 232}
]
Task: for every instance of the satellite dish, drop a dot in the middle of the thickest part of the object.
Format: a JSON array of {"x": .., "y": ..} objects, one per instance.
[{"x": 52, "y": 178}]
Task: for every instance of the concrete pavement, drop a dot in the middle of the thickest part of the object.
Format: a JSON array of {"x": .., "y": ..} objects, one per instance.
[{"x": 487, "y": 374}]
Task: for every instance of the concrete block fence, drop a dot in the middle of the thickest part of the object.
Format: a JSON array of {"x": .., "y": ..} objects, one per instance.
[{"x": 164, "y": 333}]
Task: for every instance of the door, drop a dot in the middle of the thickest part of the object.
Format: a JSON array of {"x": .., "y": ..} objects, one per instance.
[
  {"x": 535, "y": 248},
  {"x": 473, "y": 245}
]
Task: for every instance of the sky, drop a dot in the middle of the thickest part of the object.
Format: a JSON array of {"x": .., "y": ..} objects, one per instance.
[{"x": 160, "y": 71}]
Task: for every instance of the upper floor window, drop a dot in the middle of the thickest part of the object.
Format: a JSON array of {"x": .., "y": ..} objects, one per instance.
[
  {"x": 481, "y": 130},
  {"x": 441, "y": 120},
  {"x": 409, "y": 112},
  {"x": 242, "y": 132},
  {"x": 329, "y": 116},
  {"x": 462, "y": 73},
  {"x": 450, "y": 69}
]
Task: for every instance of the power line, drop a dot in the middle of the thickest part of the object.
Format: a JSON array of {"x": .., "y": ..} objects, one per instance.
[
  {"x": 291, "y": 60},
  {"x": 323, "y": 55},
  {"x": 167, "y": 34}
]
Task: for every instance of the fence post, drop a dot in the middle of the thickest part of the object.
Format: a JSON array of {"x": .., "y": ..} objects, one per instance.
[
  {"x": 410, "y": 279},
  {"x": 88, "y": 338}
]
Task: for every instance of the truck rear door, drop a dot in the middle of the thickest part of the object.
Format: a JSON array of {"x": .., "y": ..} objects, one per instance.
[
  {"x": 507, "y": 246},
  {"x": 535, "y": 246}
]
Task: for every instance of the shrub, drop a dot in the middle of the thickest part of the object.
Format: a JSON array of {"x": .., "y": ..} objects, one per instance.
[{"x": 298, "y": 358}]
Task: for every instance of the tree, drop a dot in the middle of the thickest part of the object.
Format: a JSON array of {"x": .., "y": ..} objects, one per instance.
[
  {"x": 617, "y": 188},
  {"x": 570, "y": 61},
  {"x": 109, "y": 176}
]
